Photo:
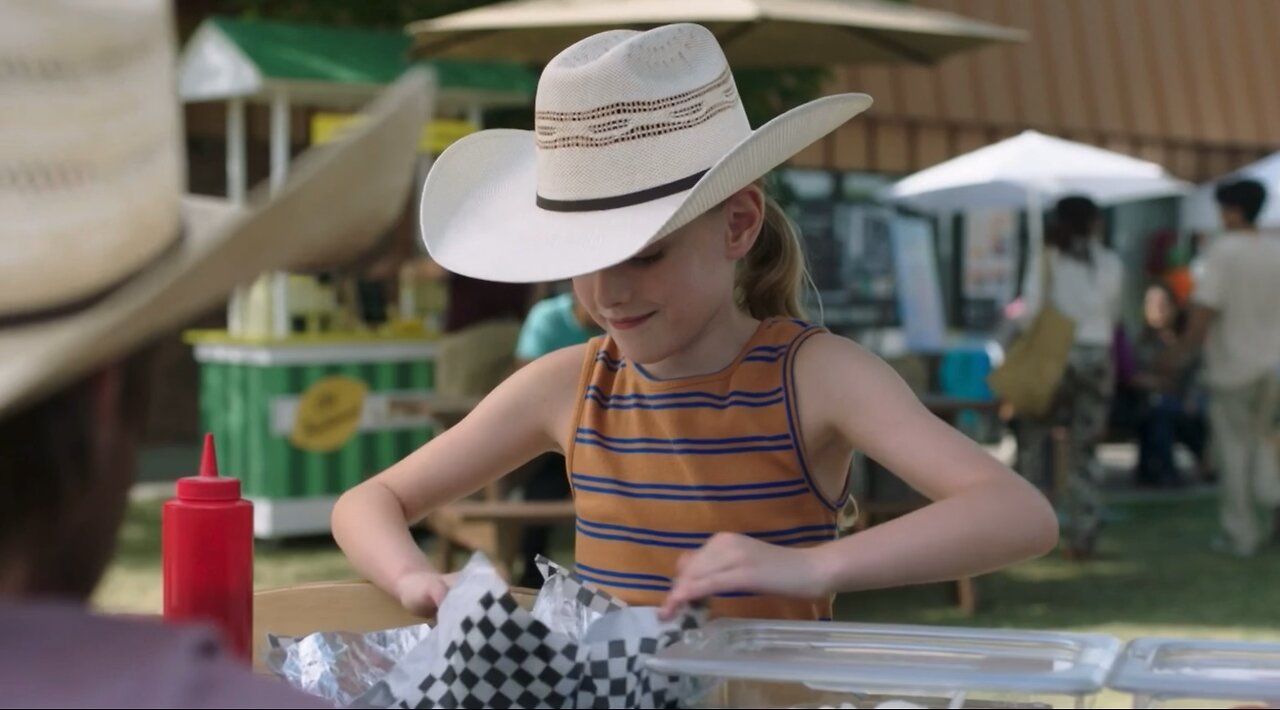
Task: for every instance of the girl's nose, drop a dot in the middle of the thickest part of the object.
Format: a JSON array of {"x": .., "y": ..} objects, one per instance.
[{"x": 612, "y": 287}]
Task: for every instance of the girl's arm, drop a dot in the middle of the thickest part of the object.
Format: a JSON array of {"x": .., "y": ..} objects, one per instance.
[
  {"x": 984, "y": 516},
  {"x": 525, "y": 416}
]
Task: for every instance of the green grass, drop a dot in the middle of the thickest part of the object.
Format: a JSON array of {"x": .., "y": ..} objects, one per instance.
[
  {"x": 1154, "y": 572},
  {"x": 1155, "y": 576},
  {"x": 133, "y": 582}
]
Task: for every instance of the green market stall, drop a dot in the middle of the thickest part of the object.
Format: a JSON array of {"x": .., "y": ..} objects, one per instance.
[
  {"x": 301, "y": 417},
  {"x": 301, "y": 420}
]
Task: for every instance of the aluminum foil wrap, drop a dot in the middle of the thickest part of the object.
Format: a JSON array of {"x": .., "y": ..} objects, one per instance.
[
  {"x": 474, "y": 657},
  {"x": 339, "y": 666}
]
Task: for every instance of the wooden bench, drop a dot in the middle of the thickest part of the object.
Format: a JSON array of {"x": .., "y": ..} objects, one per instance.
[
  {"x": 492, "y": 526},
  {"x": 486, "y": 522}
]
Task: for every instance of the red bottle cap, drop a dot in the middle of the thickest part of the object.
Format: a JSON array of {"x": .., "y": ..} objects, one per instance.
[{"x": 208, "y": 485}]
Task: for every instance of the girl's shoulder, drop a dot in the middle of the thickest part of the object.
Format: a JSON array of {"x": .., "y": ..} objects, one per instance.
[
  {"x": 837, "y": 382},
  {"x": 781, "y": 330},
  {"x": 554, "y": 373},
  {"x": 831, "y": 365},
  {"x": 830, "y": 353}
]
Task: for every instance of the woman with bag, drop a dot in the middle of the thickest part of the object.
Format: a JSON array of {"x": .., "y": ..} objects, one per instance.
[{"x": 1071, "y": 307}]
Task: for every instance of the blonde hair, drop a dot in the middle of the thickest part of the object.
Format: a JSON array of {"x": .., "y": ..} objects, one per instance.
[{"x": 771, "y": 276}]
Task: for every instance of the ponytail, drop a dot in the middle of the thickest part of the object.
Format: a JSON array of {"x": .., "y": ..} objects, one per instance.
[{"x": 771, "y": 276}]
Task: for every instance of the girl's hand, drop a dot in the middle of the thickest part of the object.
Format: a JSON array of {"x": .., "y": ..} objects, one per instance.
[
  {"x": 737, "y": 563},
  {"x": 423, "y": 592}
]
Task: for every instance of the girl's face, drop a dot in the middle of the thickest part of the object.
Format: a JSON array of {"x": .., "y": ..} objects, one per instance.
[
  {"x": 1157, "y": 308},
  {"x": 660, "y": 301}
]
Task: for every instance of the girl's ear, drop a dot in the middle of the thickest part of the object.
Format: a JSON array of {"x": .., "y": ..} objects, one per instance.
[{"x": 744, "y": 216}]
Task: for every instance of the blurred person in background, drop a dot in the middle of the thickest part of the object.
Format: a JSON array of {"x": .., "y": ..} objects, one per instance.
[
  {"x": 553, "y": 323},
  {"x": 1235, "y": 316},
  {"x": 1087, "y": 283},
  {"x": 1172, "y": 407}
]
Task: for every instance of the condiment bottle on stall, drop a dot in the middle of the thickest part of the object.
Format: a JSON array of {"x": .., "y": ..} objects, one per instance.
[{"x": 208, "y": 555}]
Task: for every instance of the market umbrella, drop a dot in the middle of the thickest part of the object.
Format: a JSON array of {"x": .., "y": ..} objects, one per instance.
[
  {"x": 1026, "y": 172},
  {"x": 759, "y": 33}
]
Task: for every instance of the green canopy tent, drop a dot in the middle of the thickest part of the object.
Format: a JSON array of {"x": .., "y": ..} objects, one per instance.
[{"x": 287, "y": 64}]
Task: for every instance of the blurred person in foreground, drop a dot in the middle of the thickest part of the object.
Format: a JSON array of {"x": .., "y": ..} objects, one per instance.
[
  {"x": 1087, "y": 284},
  {"x": 1235, "y": 316},
  {"x": 101, "y": 255}
]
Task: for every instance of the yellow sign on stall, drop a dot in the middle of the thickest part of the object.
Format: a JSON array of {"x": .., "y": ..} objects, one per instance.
[
  {"x": 329, "y": 414},
  {"x": 437, "y": 135}
]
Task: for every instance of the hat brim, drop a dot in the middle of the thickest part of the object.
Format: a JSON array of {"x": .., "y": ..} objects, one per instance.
[
  {"x": 338, "y": 200},
  {"x": 479, "y": 216}
]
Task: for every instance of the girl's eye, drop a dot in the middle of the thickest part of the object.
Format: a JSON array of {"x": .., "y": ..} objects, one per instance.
[{"x": 647, "y": 259}]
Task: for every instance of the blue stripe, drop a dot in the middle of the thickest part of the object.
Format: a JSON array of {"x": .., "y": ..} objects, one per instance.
[
  {"x": 623, "y": 575},
  {"x": 647, "y": 376},
  {"x": 778, "y": 349},
  {"x": 680, "y": 487},
  {"x": 829, "y": 529},
  {"x": 585, "y": 441},
  {"x": 643, "y": 531},
  {"x": 764, "y": 358},
  {"x": 683, "y": 395},
  {"x": 626, "y": 585},
  {"x": 609, "y": 362},
  {"x": 694, "y": 442},
  {"x": 678, "y": 545},
  {"x": 794, "y": 531},
  {"x": 638, "y": 541},
  {"x": 681, "y": 405},
  {"x": 708, "y": 499}
]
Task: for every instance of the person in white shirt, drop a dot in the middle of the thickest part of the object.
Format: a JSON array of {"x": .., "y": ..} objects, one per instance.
[
  {"x": 1087, "y": 283},
  {"x": 1236, "y": 318}
]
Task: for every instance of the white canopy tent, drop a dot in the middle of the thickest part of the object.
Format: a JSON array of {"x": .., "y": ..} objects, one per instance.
[
  {"x": 1200, "y": 210},
  {"x": 1005, "y": 174},
  {"x": 1029, "y": 171}
]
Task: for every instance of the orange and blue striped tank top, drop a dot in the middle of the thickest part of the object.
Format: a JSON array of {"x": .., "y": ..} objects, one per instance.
[{"x": 659, "y": 466}]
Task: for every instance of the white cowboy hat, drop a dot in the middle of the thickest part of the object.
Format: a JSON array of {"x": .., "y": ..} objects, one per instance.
[
  {"x": 635, "y": 134},
  {"x": 98, "y": 249}
]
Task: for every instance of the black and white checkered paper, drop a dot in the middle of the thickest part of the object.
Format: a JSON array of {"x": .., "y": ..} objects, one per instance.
[{"x": 579, "y": 648}]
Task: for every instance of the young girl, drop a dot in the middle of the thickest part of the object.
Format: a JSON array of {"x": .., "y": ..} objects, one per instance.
[{"x": 708, "y": 434}]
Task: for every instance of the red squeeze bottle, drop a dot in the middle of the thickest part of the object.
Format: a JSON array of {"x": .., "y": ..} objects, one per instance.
[{"x": 208, "y": 555}]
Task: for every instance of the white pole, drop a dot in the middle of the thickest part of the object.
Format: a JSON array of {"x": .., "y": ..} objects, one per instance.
[
  {"x": 1035, "y": 221},
  {"x": 1035, "y": 251},
  {"x": 279, "y": 138},
  {"x": 235, "y": 151},
  {"x": 280, "y": 325},
  {"x": 236, "y": 180}
]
